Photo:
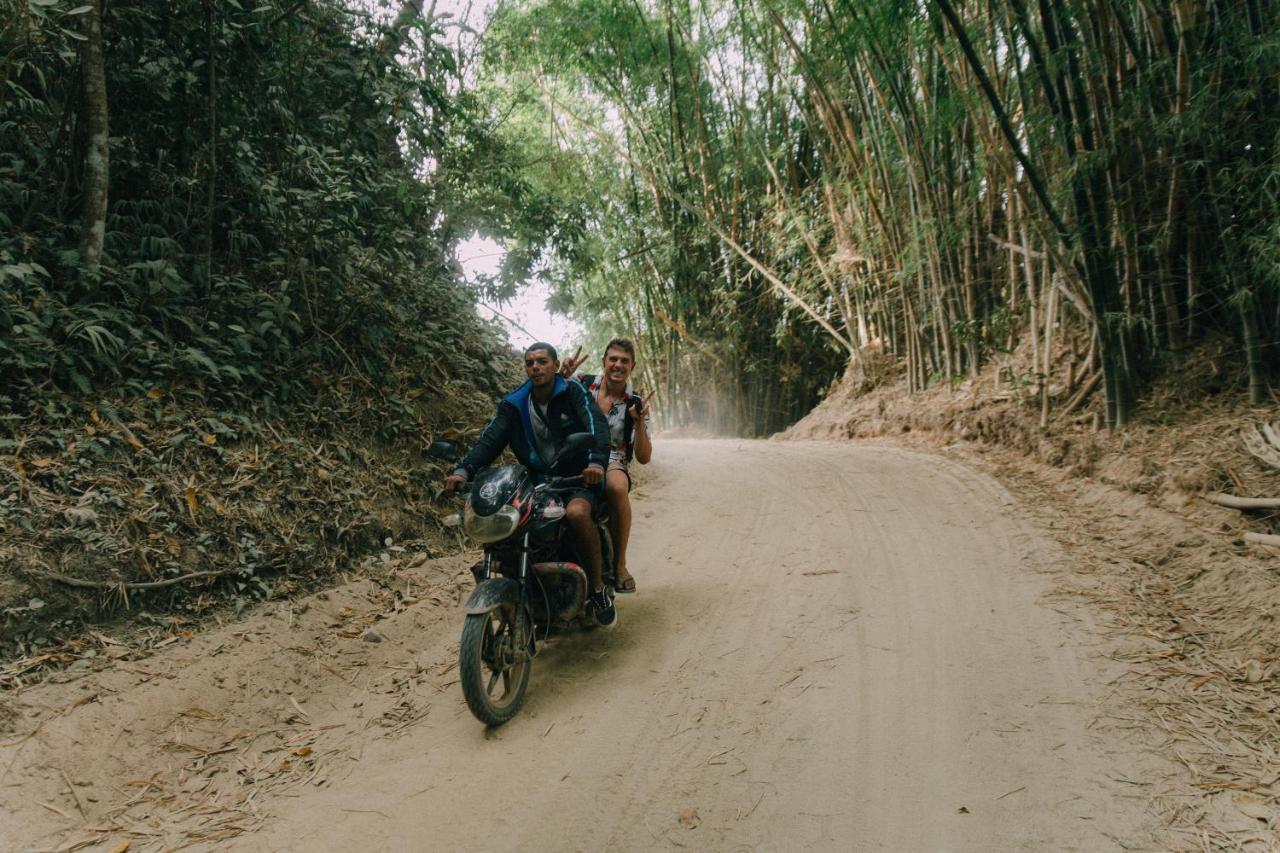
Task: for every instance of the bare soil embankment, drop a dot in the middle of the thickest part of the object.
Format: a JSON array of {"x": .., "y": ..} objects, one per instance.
[{"x": 1190, "y": 609}]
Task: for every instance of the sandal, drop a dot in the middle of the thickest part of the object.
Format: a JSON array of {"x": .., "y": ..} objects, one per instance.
[{"x": 625, "y": 586}]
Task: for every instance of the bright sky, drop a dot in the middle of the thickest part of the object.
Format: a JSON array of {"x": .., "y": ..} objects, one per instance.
[{"x": 525, "y": 318}]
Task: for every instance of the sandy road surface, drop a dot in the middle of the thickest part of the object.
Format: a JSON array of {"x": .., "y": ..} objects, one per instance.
[{"x": 834, "y": 647}]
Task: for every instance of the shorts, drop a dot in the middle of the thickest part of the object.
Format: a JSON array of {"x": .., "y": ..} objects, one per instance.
[
  {"x": 593, "y": 495},
  {"x": 621, "y": 465}
]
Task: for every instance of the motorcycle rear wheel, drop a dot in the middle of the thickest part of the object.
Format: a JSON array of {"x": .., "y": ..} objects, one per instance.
[{"x": 492, "y": 666}]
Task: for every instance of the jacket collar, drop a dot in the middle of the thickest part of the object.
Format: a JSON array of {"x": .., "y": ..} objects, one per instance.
[{"x": 520, "y": 396}]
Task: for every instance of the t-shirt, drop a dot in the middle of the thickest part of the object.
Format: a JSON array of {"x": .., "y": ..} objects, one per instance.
[{"x": 543, "y": 442}]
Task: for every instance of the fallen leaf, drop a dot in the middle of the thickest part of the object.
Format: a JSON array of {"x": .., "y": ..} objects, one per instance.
[
  {"x": 155, "y": 394},
  {"x": 302, "y": 751},
  {"x": 80, "y": 516},
  {"x": 1253, "y": 671},
  {"x": 42, "y": 462},
  {"x": 199, "y": 714},
  {"x": 192, "y": 504},
  {"x": 689, "y": 818},
  {"x": 1254, "y": 807},
  {"x": 209, "y": 438},
  {"x": 121, "y": 847}
]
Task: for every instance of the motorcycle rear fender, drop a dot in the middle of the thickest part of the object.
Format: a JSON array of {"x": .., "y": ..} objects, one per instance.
[{"x": 492, "y": 592}]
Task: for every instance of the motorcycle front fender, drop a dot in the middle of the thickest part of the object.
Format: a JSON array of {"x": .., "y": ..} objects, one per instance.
[{"x": 492, "y": 592}]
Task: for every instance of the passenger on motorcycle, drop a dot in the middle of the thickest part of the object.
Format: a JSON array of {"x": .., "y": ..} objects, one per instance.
[
  {"x": 628, "y": 438},
  {"x": 534, "y": 421}
]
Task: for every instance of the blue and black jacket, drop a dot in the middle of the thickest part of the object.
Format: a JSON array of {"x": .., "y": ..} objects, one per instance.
[{"x": 571, "y": 410}]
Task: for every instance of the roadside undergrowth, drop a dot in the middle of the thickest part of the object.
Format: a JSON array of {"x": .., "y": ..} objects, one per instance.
[{"x": 158, "y": 511}]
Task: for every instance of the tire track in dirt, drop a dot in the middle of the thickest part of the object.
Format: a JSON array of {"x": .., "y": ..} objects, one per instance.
[{"x": 834, "y": 647}]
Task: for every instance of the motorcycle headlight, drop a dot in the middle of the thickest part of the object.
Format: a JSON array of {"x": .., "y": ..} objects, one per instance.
[{"x": 491, "y": 528}]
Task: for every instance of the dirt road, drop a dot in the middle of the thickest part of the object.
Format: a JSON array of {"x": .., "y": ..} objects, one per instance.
[{"x": 834, "y": 647}]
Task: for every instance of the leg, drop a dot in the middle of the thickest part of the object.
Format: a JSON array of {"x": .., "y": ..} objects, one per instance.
[
  {"x": 615, "y": 489},
  {"x": 578, "y": 515}
]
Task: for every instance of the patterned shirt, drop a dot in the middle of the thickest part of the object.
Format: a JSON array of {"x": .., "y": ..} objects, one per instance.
[{"x": 616, "y": 417}]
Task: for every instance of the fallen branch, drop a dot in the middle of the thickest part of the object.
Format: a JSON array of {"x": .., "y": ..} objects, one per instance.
[
  {"x": 1080, "y": 396},
  {"x": 1263, "y": 539},
  {"x": 1242, "y": 503},
  {"x": 130, "y": 585},
  {"x": 1014, "y": 247},
  {"x": 678, "y": 327},
  {"x": 1263, "y": 443}
]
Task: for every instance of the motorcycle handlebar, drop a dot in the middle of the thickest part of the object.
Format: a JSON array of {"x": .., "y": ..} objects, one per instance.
[{"x": 557, "y": 483}]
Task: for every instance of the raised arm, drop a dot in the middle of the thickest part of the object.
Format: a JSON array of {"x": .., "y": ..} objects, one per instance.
[{"x": 642, "y": 448}]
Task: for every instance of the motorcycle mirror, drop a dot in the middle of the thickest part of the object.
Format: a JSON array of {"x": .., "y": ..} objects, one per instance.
[{"x": 446, "y": 451}]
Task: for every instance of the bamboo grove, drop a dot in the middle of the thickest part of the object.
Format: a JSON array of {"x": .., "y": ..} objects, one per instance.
[{"x": 780, "y": 187}]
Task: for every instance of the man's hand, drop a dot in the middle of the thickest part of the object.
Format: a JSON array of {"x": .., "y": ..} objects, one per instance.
[
  {"x": 570, "y": 365},
  {"x": 452, "y": 483},
  {"x": 638, "y": 410},
  {"x": 592, "y": 475}
]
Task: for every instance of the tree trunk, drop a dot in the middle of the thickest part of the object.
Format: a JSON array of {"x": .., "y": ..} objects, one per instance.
[
  {"x": 211, "y": 197},
  {"x": 93, "y": 219},
  {"x": 1252, "y": 353}
]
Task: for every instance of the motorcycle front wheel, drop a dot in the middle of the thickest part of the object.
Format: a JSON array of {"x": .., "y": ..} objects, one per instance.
[{"x": 493, "y": 663}]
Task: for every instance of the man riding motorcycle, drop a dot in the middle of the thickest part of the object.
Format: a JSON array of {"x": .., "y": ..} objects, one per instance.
[{"x": 534, "y": 421}]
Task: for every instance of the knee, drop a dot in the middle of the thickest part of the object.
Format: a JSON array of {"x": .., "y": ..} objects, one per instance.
[
  {"x": 578, "y": 513},
  {"x": 616, "y": 489}
]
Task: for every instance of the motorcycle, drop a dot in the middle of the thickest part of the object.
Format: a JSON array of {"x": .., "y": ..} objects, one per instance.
[{"x": 531, "y": 582}]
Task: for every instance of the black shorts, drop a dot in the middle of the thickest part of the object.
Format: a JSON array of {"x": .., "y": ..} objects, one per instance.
[{"x": 593, "y": 495}]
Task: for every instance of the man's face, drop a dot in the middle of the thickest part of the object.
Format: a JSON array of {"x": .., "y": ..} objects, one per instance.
[
  {"x": 540, "y": 367},
  {"x": 617, "y": 365}
]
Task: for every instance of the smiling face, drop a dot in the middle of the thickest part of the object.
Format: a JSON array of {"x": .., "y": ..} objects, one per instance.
[
  {"x": 540, "y": 367},
  {"x": 618, "y": 365}
]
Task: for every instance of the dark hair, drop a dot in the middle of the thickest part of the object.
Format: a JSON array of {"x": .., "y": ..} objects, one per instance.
[
  {"x": 625, "y": 344},
  {"x": 546, "y": 346}
]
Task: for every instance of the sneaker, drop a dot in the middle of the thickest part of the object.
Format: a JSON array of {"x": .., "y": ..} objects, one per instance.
[{"x": 606, "y": 613}]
